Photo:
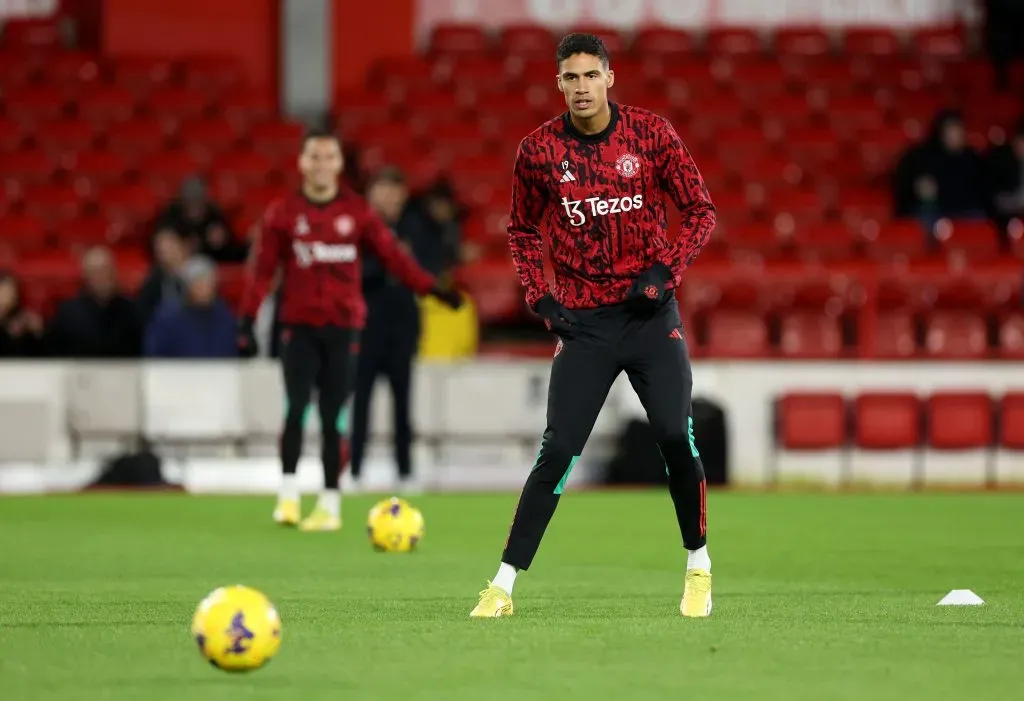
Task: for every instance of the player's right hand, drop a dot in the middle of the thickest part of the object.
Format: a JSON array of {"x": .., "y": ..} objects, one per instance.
[
  {"x": 246, "y": 339},
  {"x": 559, "y": 320}
]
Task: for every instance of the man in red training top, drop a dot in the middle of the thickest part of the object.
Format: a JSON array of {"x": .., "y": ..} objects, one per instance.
[
  {"x": 595, "y": 180},
  {"x": 315, "y": 236}
]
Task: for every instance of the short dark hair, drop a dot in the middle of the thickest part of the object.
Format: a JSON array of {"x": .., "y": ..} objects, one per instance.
[
  {"x": 319, "y": 133},
  {"x": 578, "y": 43}
]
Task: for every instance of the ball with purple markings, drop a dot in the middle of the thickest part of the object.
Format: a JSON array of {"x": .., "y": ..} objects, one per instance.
[{"x": 395, "y": 526}]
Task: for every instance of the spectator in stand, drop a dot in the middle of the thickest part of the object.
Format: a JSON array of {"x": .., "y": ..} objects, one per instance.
[
  {"x": 200, "y": 326},
  {"x": 444, "y": 251},
  {"x": 21, "y": 330},
  {"x": 941, "y": 177},
  {"x": 1006, "y": 179},
  {"x": 164, "y": 283},
  {"x": 99, "y": 322},
  {"x": 198, "y": 220},
  {"x": 1004, "y": 28}
]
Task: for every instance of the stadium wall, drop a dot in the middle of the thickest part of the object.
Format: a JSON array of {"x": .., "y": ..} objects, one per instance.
[{"x": 478, "y": 423}]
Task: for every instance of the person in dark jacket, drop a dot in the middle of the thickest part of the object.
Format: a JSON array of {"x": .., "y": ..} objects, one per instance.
[
  {"x": 1006, "y": 179},
  {"x": 21, "y": 330},
  {"x": 197, "y": 219},
  {"x": 164, "y": 283},
  {"x": 942, "y": 177},
  {"x": 199, "y": 327},
  {"x": 392, "y": 332},
  {"x": 99, "y": 322}
]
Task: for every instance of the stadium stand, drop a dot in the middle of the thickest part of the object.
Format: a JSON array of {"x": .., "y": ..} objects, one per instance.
[{"x": 796, "y": 133}]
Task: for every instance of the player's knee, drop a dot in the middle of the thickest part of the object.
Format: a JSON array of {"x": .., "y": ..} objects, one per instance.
[
  {"x": 678, "y": 452},
  {"x": 555, "y": 459}
]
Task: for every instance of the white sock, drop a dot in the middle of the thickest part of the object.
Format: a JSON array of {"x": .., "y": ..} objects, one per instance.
[
  {"x": 698, "y": 559},
  {"x": 506, "y": 577},
  {"x": 330, "y": 501},
  {"x": 289, "y": 487}
]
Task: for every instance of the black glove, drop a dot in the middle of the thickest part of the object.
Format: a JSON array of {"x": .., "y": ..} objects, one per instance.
[
  {"x": 648, "y": 291},
  {"x": 451, "y": 298},
  {"x": 557, "y": 318},
  {"x": 246, "y": 340}
]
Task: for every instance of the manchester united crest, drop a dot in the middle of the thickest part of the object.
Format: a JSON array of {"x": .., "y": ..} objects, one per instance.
[
  {"x": 628, "y": 165},
  {"x": 344, "y": 225}
]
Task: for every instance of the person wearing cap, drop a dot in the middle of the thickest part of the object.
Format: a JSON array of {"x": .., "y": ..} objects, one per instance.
[
  {"x": 198, "y": 326},
  {"x": 195, "y": 217}
]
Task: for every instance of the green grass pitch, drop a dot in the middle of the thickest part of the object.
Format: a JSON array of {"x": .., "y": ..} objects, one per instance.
[{"x": 816, "y": 597}]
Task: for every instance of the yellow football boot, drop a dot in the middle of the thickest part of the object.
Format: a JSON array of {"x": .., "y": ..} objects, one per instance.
[
  {"x": 494, "y": 602},
  {"x": 320, "y": 520},
  {"x": 696, "y": 601},
  {"x": 287, "y": 512}
]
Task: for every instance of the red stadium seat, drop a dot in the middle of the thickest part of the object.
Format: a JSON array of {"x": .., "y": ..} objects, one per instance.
[
  {"x": 810, "y": 335},
  {"x": 141, "y": 75},
  {"x": 33, "y": 104},
  {"x": 802, "y": 42},
  {"x": 1011, "y": 421},
  {"x": 960, "y": 420},
  {"x": 31, "y": 34},
  {"x": 24, "y": 168},
  {"x": 17, "y": 69},
  {"x": 459, "y": 39},
  {"x": 494, "y": 290},
  {"x": 234, "y": 174},
  {"x": 665, "y": 43},
  {"x": 137, "y": 139},
  {"x": 897, "y": 240},
  {"x": 12, "y": 135},
  {"x": 886, "y": 421},
  {"x": 212, "y": 75},
  {"x": 106, "y": 106},
  {"x": 737, "y": 335},
  {"x": 938, "y": 42},
  {"x": 855, "y": 115},
  {"x": 165, "y": 171},
  {"x": 975, "y": 240},
  {"x": 65, "y": 137},
  {"x": 127, "y": 206},
  {"x": 245, "y": 107},
  {"x": 734, "y": 42},
  {"x": 95, "y": 169},
  {"x": 527, "y": 41},
  {"x": 812, "y": 421},
  {"x": 827, "y": 241},
  {"x": 757, "y": 79},
  {"x": 174, "y": 105},
  {"x": 22, "y": 233},
  {"x": 278, "y": 140},
  {"x": 759, "y": 239},
  {"x": 870, "y": 42},
  {"x": 71, "y": 71},
  {"x": 208, "y": 137},
  {"x": 797, "y": 208},
  {"x": 956, "y": 335},
  {"x": 84, "y": 232},
  {"x": 53, "y": 204},
  {"x": 811, "y": 148},
  {"x": 894, "y": 336},
  {"x": 1011, "y": 337}
]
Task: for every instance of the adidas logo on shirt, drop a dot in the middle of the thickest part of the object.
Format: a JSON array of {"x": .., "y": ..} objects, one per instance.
[{"x": 567, "y": 177}]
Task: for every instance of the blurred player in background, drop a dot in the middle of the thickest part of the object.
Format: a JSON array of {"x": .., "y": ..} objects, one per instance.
[
  {"x": 316, "y": 237},
  {"x": 594, "y": 179}
]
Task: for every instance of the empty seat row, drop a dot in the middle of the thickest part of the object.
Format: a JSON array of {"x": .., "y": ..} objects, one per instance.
[
  {"x": 808, "y": 42},
  {"x": 948, "y": 420}
]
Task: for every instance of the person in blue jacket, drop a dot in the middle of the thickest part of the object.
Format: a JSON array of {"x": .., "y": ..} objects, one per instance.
[{"x": 199, "y": 326}]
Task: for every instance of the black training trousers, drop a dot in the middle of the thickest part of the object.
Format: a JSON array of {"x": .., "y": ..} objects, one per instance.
[
  {"x": 323, "y": 357},
  {"x": 651, "y": 349},
  {"x": 390, "y": 342}
]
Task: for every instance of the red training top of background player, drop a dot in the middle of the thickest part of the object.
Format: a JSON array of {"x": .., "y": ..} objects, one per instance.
[
  {"x": 601, "y": 200},
  {"x": 319, "y": 245}
]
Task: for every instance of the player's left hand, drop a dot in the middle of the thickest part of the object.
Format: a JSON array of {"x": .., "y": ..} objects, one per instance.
[
  {"x": 648, "y": 291},
  {"x": 451, "y": 297}
]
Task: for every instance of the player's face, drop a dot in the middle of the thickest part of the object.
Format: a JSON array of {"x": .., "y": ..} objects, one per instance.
[
  {"x": 320, "y": 163},
  {"x": 585, "y": 82}
]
